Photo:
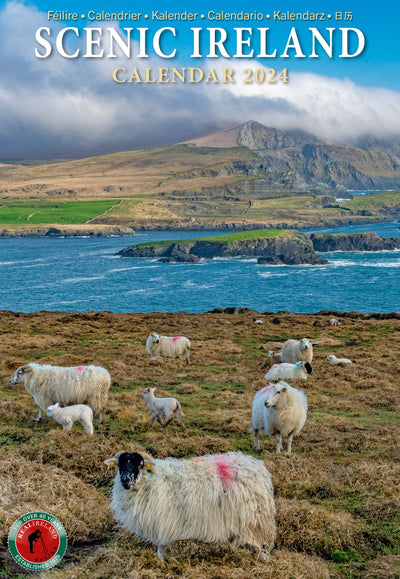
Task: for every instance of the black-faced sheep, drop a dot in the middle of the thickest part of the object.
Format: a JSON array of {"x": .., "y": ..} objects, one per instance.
[
  {"x": 297, "y": 351},
  {"x": 66, "y": 385},
  {"x": 169, "y": 406},
  {"x": 168, "y": 346},
  {"x": 222, "y": 498},
  {"x": 279, "y": 410}
]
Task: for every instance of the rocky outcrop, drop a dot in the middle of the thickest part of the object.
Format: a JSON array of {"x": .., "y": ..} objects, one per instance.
[
  {"x": 82, "y": 231},
  {"x": 291, "y": 248},
  {"x": 369, "y": 241}
]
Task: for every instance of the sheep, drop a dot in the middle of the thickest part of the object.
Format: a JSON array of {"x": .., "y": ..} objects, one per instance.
[
  {"x": 280, "y": 410},
  {"x": 296, "y": 351},
  {"x": 168, "y": 406},
  {"x": 221, "y": 498},
  {"x": 258, "y": 322},
  {"x": 338, "y": 361},
  {"x": 276, "y": 356},
  {"x": 66, "y": 385},
  {"x": 168, "y": 346},
  {"x": 334, "y": 322},
  {"x": 285, "y": 371},
  {"x": 70, "y": 414}
]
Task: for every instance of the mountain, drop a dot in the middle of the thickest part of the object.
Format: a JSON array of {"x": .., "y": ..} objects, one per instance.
[{"x": 296, "y": 160}]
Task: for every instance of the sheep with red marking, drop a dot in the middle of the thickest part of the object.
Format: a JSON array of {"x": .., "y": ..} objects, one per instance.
[
  {"x": 280, "y": 410},
  {"x": 168, "y": 346},
  {"x": 222, "y": 498},
  {"x": 66, "y": 385}
]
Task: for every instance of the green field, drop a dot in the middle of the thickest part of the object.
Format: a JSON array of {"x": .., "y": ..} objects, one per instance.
[{"x": 45, "y": 212}]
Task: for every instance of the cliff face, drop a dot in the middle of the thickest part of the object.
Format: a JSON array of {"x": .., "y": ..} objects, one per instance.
[
  {"x": 369, "y": 241},
  {"x": 292, "y": 248}
]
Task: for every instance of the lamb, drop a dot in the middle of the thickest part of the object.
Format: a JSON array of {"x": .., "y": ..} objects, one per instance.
[
  {"x": 280, "y": 410},
  {"x": 169, "y": 406},
  {"x": 334, "y": 322},
  {"x": 168, "y": 346},
  {"x": 338, "y": 361},
  {"x": 70, "y": 414},
  {"x": 285, "y": 371},
  {"x": 65, "y": 385},
  {"x": 297, "y": 350},
  {"x": 276, "y": 356},
  {"x": 221, "y": 498}
]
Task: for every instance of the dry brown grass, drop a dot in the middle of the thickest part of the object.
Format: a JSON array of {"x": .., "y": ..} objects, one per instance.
[{"x": 337, "y": 495}]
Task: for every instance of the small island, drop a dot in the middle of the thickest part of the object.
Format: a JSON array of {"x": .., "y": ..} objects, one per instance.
[{"x": 270, "y": 246}]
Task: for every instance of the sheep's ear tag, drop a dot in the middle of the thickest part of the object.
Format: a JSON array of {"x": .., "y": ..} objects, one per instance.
[
  {"x": 150, "y": 466},
  {"x": 111, "y": 463}
]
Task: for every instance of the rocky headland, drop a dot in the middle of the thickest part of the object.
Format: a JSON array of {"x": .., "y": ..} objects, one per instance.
[{"x": 284, "y": 247}]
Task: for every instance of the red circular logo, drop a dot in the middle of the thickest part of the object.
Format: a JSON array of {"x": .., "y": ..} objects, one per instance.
[{"x": 37, "y": 541}]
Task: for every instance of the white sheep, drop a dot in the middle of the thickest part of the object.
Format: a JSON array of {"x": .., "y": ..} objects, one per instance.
[
  {"x": 70, "y": 414},
  {"x": 279, "y": 410},
  {"x": 286, "y": 371},
  {"x": 168, "y": 346},
  {"x": 276, "y": 356},
  {"x": 169, "y": 406},
  {"x": 296, "y": 351},
  {"x": 222, "y": 498},
  {"x": 258, "y": 322},
  {"x": 334, "y": 322},
  {"x": 338, "y": 361},
  {"x": 65, "y": 385}
]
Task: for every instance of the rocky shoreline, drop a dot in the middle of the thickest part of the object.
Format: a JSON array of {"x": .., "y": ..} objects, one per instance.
[
  {"x": 77, "y": 231},
  {"x": 291, "y": 248}
]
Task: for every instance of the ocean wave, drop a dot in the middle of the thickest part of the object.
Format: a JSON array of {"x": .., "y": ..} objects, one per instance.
[{"x": 79, "y": 279}]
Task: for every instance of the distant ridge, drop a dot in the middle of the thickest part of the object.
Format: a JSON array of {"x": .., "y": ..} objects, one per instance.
[{"x": 220, "y": 139}]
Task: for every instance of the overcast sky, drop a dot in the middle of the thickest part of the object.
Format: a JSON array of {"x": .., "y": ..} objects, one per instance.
[{"x": 62, "y": 108}]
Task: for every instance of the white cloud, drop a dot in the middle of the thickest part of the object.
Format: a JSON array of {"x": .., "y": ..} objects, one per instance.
[{"x": 60, "y": 107}]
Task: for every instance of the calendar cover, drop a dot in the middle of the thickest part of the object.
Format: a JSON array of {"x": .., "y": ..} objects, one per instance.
[{"x": 199, "y": 289}]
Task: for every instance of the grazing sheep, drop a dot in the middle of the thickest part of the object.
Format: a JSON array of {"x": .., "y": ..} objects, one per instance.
[
  {"x": 279, "y": 410},
  {"x": 168, "y": 347},
  {"x": 338, "y": 361},
  {"x": 297, "y": 350},
  {"x": 70, "y": 414},
  {"x": 65, "y": 385},
  {"x": 168, "y": 406},
  {"x": 334, "y": 322},
  {"x": 285, "y": 371},
  {"x": 258, "y": 322},
  {"x": 276, "y": 356},
  {"x": 221, "y": 498}
]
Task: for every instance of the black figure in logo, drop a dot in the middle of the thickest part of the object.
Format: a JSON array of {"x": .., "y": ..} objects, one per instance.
[{"x": 34, "y": 538}]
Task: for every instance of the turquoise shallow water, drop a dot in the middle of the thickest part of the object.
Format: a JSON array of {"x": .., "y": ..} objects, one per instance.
[{"x": 77, "y": 274}]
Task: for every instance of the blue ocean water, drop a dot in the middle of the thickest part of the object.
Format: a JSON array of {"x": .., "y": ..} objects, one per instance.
[{"x": 77, "y": 274}]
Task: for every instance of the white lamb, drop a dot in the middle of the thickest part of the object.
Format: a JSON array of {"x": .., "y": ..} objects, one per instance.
[
  {"x": 334, "y": 322},
  {"x": 297, "y": 350},
  {"x": 65, "y": 385},
  {"x": 169, "y": 406},
  {"x": 286, "y": 371},
  {"x": 338, "y": 361},
  {"x": 168, "y": 346},
  {"x": 276, "y": 356},
  {"x": 279, "y": 410},
  {"x": 221, "y": 498},
  {"x": 70, "y": 414}
]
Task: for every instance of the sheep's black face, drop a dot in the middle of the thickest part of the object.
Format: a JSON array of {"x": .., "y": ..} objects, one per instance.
[
  {"x": 130, "y": 465},
  {"x": 308, "y": 368}
]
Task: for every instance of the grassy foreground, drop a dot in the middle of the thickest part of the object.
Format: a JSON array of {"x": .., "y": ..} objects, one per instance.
[{"x": 337, "y": 495}]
